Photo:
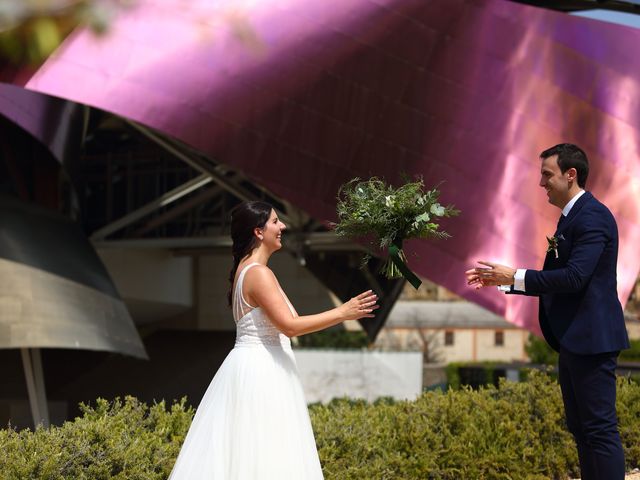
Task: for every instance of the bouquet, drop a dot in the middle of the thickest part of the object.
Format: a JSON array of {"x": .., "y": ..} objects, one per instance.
[{"x": 372, "y": 208}]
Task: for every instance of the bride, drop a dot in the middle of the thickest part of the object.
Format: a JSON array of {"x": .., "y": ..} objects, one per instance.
[{"x": 253, "y": 422}]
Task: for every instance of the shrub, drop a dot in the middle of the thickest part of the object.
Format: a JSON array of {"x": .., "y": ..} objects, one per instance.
[
  {"x": 513, "y": 431},
  {"x": 334, "y": 338},
  {"x": 118, "y": 440},
  {"x": 539, "y": 351},
  {"x": 473, "y": 374},
  {"x": 633, "y": 353},
  {"x": 453, "y": 375}
]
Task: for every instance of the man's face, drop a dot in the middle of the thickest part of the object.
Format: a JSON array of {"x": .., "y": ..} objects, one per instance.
[{"x": 555, "y": 182}]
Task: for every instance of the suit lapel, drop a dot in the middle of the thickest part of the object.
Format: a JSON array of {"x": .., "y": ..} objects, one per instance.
[{"x": 573, "y": 213}]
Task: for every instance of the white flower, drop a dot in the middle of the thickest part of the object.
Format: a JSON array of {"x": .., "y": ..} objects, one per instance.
[
  {"x": 389, "y": 201},
  {"x": 424, "y": 217},
  {"x": 437, "y": 209}
]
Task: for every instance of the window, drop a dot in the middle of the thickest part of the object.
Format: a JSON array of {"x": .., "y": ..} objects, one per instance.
[
  {"x": 448, "y": 338},
  {"x": 499, "y": 338}
]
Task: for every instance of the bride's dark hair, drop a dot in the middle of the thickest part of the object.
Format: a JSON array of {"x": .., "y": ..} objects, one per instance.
[{"x": 244, "y": 218}]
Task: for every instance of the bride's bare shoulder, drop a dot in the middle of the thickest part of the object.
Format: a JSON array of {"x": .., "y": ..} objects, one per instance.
[{"x": 260, "y": 273}]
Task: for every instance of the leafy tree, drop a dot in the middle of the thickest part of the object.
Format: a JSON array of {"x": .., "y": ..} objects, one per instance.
[
  {"x": 540, "y": 352},
  {"x": 30, "y": 30}
]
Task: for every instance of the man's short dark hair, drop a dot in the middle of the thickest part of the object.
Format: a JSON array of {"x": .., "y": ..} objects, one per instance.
[{"x": 570, "y": 156}]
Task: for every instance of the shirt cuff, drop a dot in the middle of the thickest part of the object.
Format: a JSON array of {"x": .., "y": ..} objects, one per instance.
[{"x": 518, "y": 281}]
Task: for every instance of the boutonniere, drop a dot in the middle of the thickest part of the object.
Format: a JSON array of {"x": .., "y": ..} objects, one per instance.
[{"x": 553, "y": 244}]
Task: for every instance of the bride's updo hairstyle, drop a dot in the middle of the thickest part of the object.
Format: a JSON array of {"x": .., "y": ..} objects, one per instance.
[{"x": 244, "y": 219}]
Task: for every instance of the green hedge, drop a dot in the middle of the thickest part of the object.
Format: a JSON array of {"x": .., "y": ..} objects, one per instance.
[
  {"x": 118, "y": 440},
  {"x": 632, "y": 354},
  {"x": 541, "y": 353},
  {"x": 483, "y": 374},
  {"x": 515, "y": 431},
  {"x": 334, "y": 338}
]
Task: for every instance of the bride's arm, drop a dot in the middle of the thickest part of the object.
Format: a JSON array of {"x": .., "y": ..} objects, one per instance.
[{"x": 263, "y": 291}]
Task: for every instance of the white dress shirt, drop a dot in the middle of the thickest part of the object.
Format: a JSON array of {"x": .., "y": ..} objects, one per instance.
[{"x": 518, "y": 281}]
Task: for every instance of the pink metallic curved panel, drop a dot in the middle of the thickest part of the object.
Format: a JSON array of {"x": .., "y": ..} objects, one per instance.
[{"x": 303, "y": 95}]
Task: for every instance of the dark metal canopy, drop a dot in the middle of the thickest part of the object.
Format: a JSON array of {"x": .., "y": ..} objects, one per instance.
[{"x": 580, "y": 5}]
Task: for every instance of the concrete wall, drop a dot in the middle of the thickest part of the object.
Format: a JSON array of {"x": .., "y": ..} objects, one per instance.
[
  {"x": 328, "y": 374},
  {"x": 190, "y": 292},
  {"x": 306, "y": 293},
  {"x": 212, "y": 312},
  {"x": 154, "y": 283},
  {"x": 150, "y": 274}
]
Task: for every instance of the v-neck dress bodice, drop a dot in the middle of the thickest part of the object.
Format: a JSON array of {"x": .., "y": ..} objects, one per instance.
[{"x": 253, "y": 327}]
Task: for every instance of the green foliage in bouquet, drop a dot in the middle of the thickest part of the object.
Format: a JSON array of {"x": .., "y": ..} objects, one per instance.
[{"x": 372, "y": 208}]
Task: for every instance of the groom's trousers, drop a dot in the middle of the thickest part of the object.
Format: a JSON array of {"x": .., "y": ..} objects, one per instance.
[{"x": 588, "y": 384}]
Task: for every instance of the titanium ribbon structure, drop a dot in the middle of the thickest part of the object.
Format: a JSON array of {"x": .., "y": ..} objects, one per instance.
[{"x": 303, "y": 95}]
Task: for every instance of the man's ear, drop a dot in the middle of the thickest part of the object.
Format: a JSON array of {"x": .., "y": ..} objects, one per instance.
[{"x": 572, "y": 174}]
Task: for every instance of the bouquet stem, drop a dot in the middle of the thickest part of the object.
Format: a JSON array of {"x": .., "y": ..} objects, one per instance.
[
  {"x": 396, "y": 265},
  {"x": 390, "y": 269}
]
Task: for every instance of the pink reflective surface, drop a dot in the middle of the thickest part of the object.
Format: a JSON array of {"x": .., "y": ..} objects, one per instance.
[{"x": 325, "y": 90}]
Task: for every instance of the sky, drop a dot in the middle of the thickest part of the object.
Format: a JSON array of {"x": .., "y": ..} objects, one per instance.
[{"x": 629, "y": 19}]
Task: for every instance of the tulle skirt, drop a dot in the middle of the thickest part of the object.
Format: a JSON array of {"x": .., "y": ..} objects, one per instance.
[{"x": 252, "y": 422}]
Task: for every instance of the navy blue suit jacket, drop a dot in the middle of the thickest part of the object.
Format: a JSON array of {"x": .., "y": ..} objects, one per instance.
[{"x": 579, "y": 307}]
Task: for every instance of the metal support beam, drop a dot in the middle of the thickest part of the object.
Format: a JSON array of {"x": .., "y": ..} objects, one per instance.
[
  {"x": 32, "y": 362},
  {"x": 201, "y": 165},
  {"x": 316, "y": 241},
  {"x": 165, "y": 199},
  {"x": 194, "y": 162},
  {"x": 178, "y": 210}
]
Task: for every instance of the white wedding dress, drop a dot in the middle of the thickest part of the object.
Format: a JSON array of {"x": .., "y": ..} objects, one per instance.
[{"x": 253, "y": 422}]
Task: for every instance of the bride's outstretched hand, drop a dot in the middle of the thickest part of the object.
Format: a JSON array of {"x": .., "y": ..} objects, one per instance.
[{"x": 361, "y": 306}]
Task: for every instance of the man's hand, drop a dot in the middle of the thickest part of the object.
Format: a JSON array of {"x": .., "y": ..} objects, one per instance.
[{"x": 493, "y": 274}]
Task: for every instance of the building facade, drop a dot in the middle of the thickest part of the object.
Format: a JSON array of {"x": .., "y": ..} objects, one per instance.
[{"x": 452, "y": 331}]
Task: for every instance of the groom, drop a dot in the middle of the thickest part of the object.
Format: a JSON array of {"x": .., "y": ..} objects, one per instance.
[{"x": 579, "y": 312}]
